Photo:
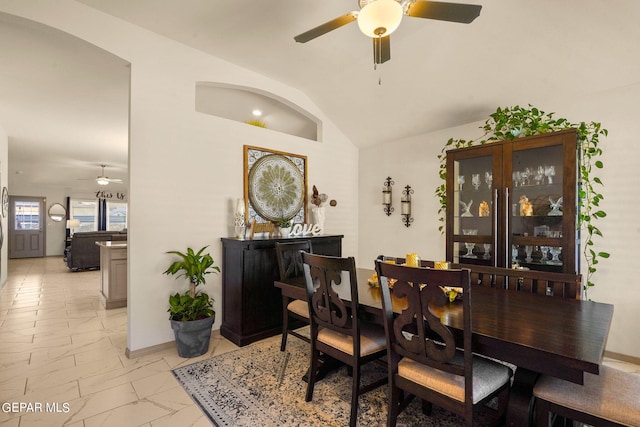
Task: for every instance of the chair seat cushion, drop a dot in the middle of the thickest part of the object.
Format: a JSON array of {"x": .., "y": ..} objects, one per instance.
[
  {"x": 488, "y": 376},
  {"x": 299, "y": 307},
  {"x": 613, "y": 395},
  {"x": 372, "y": 339}
]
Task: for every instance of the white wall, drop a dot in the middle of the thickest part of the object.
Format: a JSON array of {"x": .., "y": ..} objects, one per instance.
[
  {"x": 4, "y": 160},
  {"x": 413, "y": 161},
  {"x": 185, "y": 167}
]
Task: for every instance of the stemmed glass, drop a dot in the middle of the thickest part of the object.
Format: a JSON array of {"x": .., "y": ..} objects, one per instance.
[
  {"x": 469, "y": 253},
  {"x": 487, "y": 250},
  {"x": 461, "y": 181},
  {"x": 550, "y": 172},
  {"x": 555, "y": 252}
]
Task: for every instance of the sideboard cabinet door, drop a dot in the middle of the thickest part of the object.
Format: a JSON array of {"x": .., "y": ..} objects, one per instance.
[{"x": 251, "y": 304}]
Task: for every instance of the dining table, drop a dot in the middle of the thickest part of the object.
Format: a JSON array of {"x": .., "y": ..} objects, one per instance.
[{"x": 540, "y": 335}]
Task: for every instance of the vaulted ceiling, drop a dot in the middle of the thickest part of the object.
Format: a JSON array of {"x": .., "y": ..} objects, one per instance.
[{"x": 440, "y": 74}]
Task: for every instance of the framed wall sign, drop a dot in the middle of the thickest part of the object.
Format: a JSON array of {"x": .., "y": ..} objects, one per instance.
[{"x": 275, "y": 185}]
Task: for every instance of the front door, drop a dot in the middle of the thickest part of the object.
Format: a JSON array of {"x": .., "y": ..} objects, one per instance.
[{"x": 26, "y": 227}]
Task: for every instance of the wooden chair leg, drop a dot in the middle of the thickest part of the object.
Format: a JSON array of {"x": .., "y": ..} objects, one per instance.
[
  {"x": 355, "y": 389},
  {"x": 394, "y": 403},
  {"x": 285, "y": 323},
  {"x": 313, "y": 372},
  {"x": 427, "y": 407},
  {"x": 542, "y": 413}
]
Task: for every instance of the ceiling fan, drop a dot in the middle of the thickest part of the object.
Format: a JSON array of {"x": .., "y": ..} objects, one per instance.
[
  {"x": 379, "y": 18},
  {"x": 105, "y": 180}
]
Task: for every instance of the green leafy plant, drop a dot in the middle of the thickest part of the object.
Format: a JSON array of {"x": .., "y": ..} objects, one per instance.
[
  {"x": 284, "y": 222},
  {"x": 510, "y": 123},
  {"x": 192, "y": 305}
]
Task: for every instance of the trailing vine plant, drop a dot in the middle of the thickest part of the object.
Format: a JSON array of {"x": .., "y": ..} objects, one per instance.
[{"x": 510, "y": 123}]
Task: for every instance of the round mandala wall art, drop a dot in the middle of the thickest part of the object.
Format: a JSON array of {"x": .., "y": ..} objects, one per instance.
[{"x": 276, "y": 187}]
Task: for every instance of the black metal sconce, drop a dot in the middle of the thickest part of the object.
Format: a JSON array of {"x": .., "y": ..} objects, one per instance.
[
  {"x": 386, "y": 196},
  {"x": 405, "y": 206}
]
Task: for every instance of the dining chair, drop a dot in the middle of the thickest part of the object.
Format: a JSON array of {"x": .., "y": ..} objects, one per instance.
[
  {"x": 422, "y": 357},
  {"x": 290, "y": 266},
  {"x": 337, "y": 330},
  {"x": 608, "y": 399}
]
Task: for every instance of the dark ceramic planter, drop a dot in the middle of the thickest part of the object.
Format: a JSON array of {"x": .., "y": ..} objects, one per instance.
[{"x": 192, "y": 338}]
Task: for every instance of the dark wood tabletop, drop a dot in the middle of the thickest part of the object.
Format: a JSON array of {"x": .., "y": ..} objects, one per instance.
[{"x": 560, "y": 337}]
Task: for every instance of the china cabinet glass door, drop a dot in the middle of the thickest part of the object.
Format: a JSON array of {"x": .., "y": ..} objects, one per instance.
[
  {"x": 541, "y": 206},
  {"x": 513, "y": 203},
  {"x": 474, "y": 214}
]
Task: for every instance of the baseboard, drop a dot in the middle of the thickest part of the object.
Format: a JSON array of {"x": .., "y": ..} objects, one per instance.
[
  {"x": 159, "y": 347},
  {"x": 622, "y": 357}
]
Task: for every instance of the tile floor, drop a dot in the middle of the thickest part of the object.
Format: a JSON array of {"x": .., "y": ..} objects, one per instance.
[{"x": 59, "y": 348}]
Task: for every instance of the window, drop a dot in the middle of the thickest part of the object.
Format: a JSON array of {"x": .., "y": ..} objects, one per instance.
[
  {"x": 86, "y": 211},
  {"x": 98, "y": 214},
  {"x": 116, "y": 216},
  {"x": 27, "y": 215}
]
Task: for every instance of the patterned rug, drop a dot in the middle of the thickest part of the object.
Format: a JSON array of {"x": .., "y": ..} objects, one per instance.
[{"x": 258, "y": 385}]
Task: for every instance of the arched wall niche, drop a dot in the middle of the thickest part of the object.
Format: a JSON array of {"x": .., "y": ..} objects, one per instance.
[{"x": 237, "y": 103}]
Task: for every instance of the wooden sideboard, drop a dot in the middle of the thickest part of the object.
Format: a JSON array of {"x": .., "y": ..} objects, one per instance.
[{"x": 251, "y": 305}]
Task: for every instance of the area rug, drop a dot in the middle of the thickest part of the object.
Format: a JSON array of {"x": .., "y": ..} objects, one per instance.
[{"x": 258, "y": 385}]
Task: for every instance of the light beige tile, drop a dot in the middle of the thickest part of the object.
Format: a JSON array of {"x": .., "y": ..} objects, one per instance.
[
  {"x": 191, "y": 416},
  {"x": 95, "y": 383},
  {"x": 70, "y": 373},
  {"x": 155, "y": 384},
  {"x": 103, "y": 401},
  {"x": 12, "y": 388},
  {"x": 132, "y": 414}
]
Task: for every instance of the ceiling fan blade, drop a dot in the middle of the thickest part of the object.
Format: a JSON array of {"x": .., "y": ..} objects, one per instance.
[
  {"x": 326, "y": 27},
  {"x": 442, "y": 11},
  {"x": 381, "y": 49}
]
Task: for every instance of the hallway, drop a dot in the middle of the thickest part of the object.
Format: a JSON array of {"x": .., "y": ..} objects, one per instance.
[{"x": 64, "y": 354}]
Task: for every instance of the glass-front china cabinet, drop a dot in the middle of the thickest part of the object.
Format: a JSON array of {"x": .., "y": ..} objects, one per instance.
[{"x": 513, "y": 203}]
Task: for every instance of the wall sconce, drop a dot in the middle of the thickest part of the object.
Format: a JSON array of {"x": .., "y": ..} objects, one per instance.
[
  {"x": 405, "y": 206},
  {"x": 386, "y": 196}
]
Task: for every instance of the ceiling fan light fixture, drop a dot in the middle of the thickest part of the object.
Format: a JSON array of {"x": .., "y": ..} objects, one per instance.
[
  {"x": 380, "y": 18},
  {"x": 102, "y": 181}
]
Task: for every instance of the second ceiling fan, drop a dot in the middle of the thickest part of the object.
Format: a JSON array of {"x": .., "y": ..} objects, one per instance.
[{"x": 379, "y": 18}]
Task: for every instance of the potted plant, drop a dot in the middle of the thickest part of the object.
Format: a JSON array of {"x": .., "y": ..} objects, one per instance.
[
  {"x": 284, "y": 225},
  {"x": 191, "y": 313}
]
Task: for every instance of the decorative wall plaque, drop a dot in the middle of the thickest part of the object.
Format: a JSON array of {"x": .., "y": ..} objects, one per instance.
[{"x": 275, "y": 185}]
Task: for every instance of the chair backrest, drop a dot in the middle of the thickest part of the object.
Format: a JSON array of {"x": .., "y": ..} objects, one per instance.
[
  {"x": 290, "y": 259},
  {"x": 261, "y": 227},
  {"x": 418, "y": 332},
  {"x": 333, "y": 303},
  {"x": 562, "y": 285}
]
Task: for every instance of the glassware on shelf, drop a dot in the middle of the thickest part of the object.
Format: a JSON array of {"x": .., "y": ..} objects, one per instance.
[
  {"x": 466, "y": 208},
  {"x": 545, "y": 254},
  {"x": 488, "y": 179},
  {"x": 475, "y": 180},
  {"x": 469, "y": 253},
  {"x": 550, "y": 172},
  {"x": 528, "y": 250},
  {"x": 461, "y": 181},
  {"x": 539, "y": 176},
  {"x": 555, "y": 253},
  {"x": 487, "y": 251}
]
